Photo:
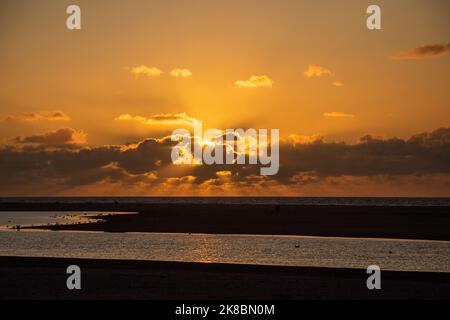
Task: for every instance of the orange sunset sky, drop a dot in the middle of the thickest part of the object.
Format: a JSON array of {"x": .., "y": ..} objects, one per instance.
[{"x": 360, "y": 112}]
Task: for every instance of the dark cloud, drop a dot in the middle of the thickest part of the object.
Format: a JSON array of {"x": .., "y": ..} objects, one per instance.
[
  {"x": 427, "y": 153},
  {"x": 427, "y": 51},
  {"x": 148, "y": 163},
  {"x": 66, "y": 167},
  {"x": 66, "y": 138}
]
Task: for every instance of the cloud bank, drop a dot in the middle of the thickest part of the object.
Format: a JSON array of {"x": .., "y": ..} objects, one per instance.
[{"x": 58, "y": 162}]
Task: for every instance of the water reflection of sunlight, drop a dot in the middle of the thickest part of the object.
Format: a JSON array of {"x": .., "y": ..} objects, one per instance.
[
  {"x": 206, "y": 248},
  {"x": 426, "y": 256}
]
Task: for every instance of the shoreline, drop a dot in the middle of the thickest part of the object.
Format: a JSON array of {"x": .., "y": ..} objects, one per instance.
[{"x": 45, "y": 278}]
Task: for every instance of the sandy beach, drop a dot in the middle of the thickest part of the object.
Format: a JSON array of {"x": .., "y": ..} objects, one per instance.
[{"x": 45, "y": 278}]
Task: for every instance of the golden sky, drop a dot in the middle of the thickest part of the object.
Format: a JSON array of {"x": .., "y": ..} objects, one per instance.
[{"x": 309, "y": 68}]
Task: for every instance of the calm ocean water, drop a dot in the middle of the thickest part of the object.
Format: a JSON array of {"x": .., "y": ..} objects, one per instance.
[
  {"x": 389, "y": 254},
  {"x": 404, "y": 255},
  {"x": 240, "y": 200}
]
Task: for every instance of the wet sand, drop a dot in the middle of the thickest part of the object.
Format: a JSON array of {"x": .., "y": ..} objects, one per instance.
[
  {"x": 45, "y": 278},
  {"x": 432, "y": 223}
]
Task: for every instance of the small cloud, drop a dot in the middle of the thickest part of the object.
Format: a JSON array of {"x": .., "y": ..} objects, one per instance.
[
  {"x": 66, "y": 138},
  {"x": 335, "y": 114},
  {"x": 159, "y": 119},
  {"x": 147, "y": 71},
  {"x": 295, "y": 139},
  {"x": 181, "y": 73},
  {"x": 36, "y": 116},
  {"x": 423, "y": 52},
  {"x": 338, "y": 84},
  {"x": 317, "y": 71},
  {"x": 255, "y": 82}
]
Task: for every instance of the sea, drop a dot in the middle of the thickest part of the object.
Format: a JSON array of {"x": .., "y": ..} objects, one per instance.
[
  {"x": 302, "y": 251},
  {"x": 307, "y": 201}
]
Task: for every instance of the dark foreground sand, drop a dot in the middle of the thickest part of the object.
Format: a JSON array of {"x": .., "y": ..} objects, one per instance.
[
  {"x": 45, "y": 278},
  {"x": 431, "y": 223}
]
